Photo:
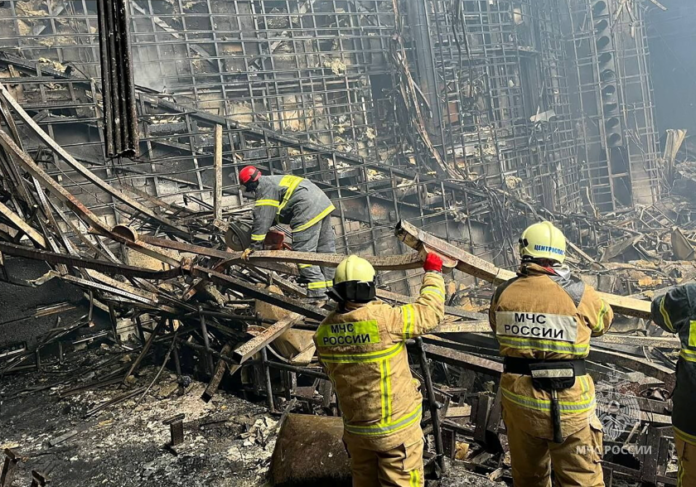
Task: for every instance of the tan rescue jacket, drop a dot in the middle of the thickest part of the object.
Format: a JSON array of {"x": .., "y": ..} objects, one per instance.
[
  {"x": 364, "y": 353},
  {"x": 540, "y": 315}
]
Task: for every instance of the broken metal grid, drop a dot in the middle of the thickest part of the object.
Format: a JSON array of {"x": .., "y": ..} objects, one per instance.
[
  {"x": 180, "y": 140},
  {"x": 500, "y": 64},
  {"x": 494, "y": 140}
]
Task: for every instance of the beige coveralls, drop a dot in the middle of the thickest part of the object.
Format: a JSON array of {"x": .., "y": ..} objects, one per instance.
[
  {"x": 535, "y": 317},
  {"x": 364, "y": 352}
]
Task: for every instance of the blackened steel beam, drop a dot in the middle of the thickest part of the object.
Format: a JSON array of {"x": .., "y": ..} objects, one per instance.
[
  {"x": 461, "y": 359},
  {"x": 97, "y": 265},
  {"x": 82, "y": 170},
  {"x": 651, "y": 369},
  {"x": 432, "y": 402},
  {"x": 118, "y": 88},
  {"x": 220, "y": 369}
]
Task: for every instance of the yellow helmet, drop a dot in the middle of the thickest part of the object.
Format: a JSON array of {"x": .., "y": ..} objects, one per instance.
[
  {"x": 354, "y": 281},
  {"x": 543, "y": 241}
]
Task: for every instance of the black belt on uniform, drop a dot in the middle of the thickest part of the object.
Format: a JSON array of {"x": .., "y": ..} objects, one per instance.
[{"x": 514, "y": 365}]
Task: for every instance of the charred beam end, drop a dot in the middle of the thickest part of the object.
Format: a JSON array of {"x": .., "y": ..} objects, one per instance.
[{"x": 9, "y": 468}]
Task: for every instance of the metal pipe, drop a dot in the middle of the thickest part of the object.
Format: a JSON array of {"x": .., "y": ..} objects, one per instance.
[
  {"x": 267, "y": 375},
  {"x": 430, "y": 391}
]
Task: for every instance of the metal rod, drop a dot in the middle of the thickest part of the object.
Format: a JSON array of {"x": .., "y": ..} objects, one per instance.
[
  {"x": 267, "y": 375},
  {"x": 206, "y": 342},
  {"x": 432, "y": 401}
]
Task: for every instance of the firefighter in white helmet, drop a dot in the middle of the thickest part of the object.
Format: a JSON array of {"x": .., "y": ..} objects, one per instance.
[
  {"x": 543, "y": 320},
  {"x": 362, "y": 347}
]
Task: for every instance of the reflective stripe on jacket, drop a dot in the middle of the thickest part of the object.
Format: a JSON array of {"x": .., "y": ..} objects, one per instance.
[
  {"x": 540, "y": 315},
  {"x": 364, "y": 353},
  {"x": 288, "y": 199},
  {"x": 675, "y": 312}
]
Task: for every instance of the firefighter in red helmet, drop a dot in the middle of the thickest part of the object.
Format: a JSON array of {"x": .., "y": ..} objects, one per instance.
[{"x": 299, "y": 203}]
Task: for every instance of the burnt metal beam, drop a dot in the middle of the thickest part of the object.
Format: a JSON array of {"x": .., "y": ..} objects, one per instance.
[
  {"x": 219, "y": 373},
  {"x": 81, "y": 262},
  {"x": 75, "y": 204},
  {"x": 461, "y": 359},
  {"x": 9, "y": 468},
  {"x": 384, "y": 263},
  {"x": 121, "y": 131},
  {"x": 252, "y": 291},
  {"x": 651, "y": 369},
  {"x": 82, "y": 170}
]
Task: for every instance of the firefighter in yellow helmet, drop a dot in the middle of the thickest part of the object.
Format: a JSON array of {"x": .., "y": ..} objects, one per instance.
[
  {"x": 543, "y": 320},
  {"x": 362, "y": 347}
]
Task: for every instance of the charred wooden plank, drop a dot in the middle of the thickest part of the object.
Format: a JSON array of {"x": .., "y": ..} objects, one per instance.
[
  {"x": 391, "y": 262},
  {"x": 477, "y": 267}
]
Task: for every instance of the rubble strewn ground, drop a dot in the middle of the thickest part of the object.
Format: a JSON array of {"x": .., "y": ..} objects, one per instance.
[{"x": 228, "y": 441}]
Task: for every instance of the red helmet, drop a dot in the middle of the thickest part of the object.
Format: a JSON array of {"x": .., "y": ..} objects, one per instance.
[{"x": 249, "y": 174}]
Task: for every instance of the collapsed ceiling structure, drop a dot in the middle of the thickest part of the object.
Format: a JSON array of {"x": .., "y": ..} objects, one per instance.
[{"x": 460, "y": 121}]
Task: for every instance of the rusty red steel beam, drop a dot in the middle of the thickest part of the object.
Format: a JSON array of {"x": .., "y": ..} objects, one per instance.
[
  {"x": 420, "y": 240},
  {"x": 89, "y": 175}
]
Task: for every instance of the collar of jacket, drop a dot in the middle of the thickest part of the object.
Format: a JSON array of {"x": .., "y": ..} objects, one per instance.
[
  {"x": 532, "y": 269},
  {"x": 350, "y": 306}
]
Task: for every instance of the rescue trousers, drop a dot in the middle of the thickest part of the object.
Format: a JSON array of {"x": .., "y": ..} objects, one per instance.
[
  {"x": 686, "y": 453},
  {"x": 320, "y": 238},
  {"x": 399, "y": 467},
  {"x": 576, "y": 462}
]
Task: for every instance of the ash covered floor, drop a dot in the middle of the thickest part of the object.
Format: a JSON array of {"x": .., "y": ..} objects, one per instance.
[{"x": 228, "y": 442}]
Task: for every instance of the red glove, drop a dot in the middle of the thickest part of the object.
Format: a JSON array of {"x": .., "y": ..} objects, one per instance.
[{"x": 433, "y": 262}]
